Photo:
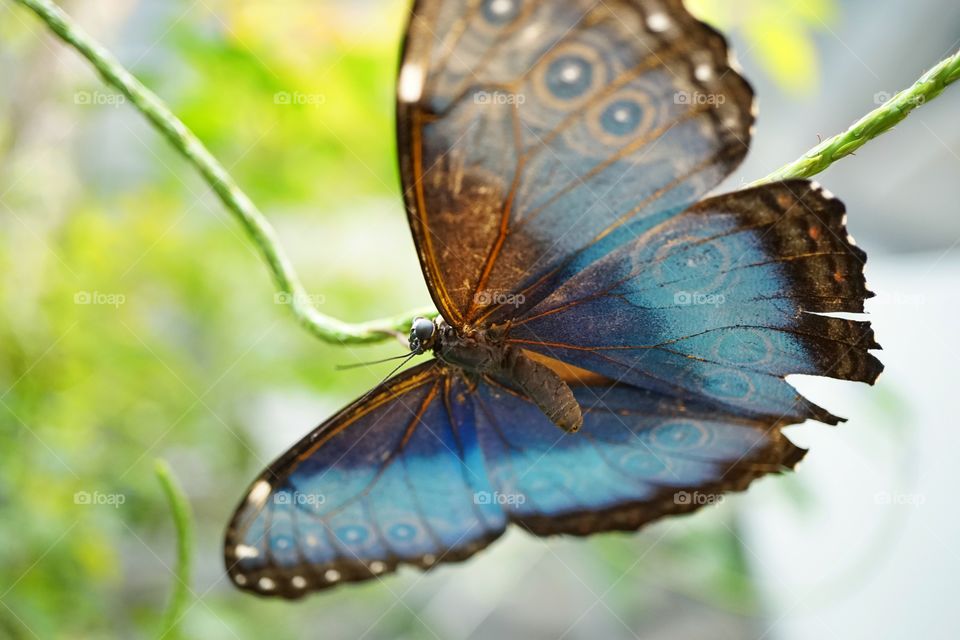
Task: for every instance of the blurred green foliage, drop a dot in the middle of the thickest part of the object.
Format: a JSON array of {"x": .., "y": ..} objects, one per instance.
[
  {"x": 138, "y": 323},
  {"x": 780, "y": 35}
]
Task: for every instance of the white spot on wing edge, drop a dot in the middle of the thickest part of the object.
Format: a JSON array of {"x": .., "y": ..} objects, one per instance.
[
  {"x": 826, "y": 193},
  {"x": 410, "y": 85},
  {"x": 298, "y": 582},
  {"x": 243, "y": 551},
  {"x": 377, "y": 567},
  {"x": 259, "y": 493},
  {"x": 240, "y": 579},
  {"x": 331, "y": 575},
  {"x": 733, "y": 62},
  {"x": 267, "y": 584},
  {"x": 658, "y": 22}
]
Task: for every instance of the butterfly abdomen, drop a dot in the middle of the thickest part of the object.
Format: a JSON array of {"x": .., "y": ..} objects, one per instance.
[
  {"x": 547, "y": 390},
  {"x": 478, "y": 354}
]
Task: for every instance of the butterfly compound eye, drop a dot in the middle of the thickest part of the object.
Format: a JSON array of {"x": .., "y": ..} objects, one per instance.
[
  {"x": 421, "y": 334},
  {"x": 423, "y": 328}
]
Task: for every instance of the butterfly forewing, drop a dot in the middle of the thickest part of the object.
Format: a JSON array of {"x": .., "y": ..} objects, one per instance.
[
  {"x": 532, "y": 135},
  {"x": 389, "y": 480}
]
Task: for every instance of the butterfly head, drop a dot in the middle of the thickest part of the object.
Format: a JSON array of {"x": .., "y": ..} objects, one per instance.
[{"x": 423, "y": 335}]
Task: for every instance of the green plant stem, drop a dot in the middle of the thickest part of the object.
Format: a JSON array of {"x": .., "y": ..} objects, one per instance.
[
  {"x": 234, "y": 199},
  {"x": 875, "y": 123},
  {"x": 264, "y": 237},
  {"x": 183, "y": 522}
]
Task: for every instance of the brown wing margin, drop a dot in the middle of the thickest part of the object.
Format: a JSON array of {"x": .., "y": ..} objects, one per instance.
[
  {"x": 411, "y": 82},
  {"x": 632, "y": 516}
]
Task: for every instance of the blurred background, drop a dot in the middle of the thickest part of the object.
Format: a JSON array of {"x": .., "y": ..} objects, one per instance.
[{"x": 138, "y": 323}]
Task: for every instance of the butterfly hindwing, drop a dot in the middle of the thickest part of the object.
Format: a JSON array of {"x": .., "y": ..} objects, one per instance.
[
  {"x": 431, "y": 467},
  {"x": 720, "y": 302},
  {"x": 640, "y": 455},
  {"x": 534, "y": 133}
]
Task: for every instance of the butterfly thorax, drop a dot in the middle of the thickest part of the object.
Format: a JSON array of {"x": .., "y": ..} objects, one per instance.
[
  {"x": 475, "y": 351},
  {"x": 484, "y": 353}
]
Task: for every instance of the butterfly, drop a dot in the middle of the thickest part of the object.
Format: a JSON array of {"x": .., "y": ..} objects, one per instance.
[{"x": 612, "y": 346}]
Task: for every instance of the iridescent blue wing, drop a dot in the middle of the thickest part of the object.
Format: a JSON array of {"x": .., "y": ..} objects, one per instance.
[
  {"x": 535, "y": 134},
  {"x": 388, "y": 480},
  {"x": 719, "y": 303},
  {"x": 640, "y": 455},
  {"x": 430, "y": 468}
]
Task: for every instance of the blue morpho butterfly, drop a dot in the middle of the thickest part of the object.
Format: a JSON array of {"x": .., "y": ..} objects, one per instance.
[{"x": 608, "y": 339}]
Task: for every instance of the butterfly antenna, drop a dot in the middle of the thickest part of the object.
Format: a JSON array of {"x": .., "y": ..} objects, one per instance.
[
  {"x": 344, "y": 367},
  {"x": 396, "y": 368},
  {"x": 388, "y": 376}
]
